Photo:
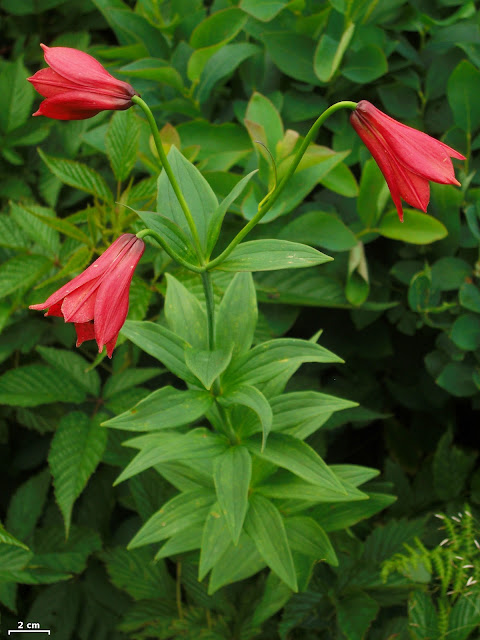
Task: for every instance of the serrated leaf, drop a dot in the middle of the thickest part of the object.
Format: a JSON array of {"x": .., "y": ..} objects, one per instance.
[
  {"x": 17, "y": 95},
  {"x": 62, "y": 225},
  {"x": 265, "y": 526},
  {"x": 36, "y": 384},
  {"x": 355, "y": 613},
  {"x": 8, "y": 539},
  {"x": 271, "y": 255},
  {"x": 35, "y": 228},
  {"x": 74, "y": 366},
  {"x": 77, "y": 448},
  {"x": 121, "y": 141},
  {"x": 422, "y": 616},
  {"x": 79, "y": 176},
  {"x": 233, "y": 470},
  {"x": 21, "y": 272},
  {"x": 165, "y": 408},
  {"x": 27, "y": 504}
]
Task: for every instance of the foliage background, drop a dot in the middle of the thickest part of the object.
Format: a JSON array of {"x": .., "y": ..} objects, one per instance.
[{"x": 402, "y": 308}]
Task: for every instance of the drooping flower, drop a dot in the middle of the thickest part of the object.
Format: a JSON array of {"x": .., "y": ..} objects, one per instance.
[
  {"x": 96, "y": 301},
  {"x": 408, "y": 158},
  {"x": 76, "y": 86}
]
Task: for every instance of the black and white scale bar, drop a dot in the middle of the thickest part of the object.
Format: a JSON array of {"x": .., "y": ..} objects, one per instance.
[{"x": 29, "y": 631}]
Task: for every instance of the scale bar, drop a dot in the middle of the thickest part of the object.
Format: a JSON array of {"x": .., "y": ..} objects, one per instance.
[{"x": 29, "y": 631}]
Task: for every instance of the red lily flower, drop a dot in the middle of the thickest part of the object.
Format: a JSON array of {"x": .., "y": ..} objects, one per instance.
[
  {"x": 97, "y": 299},
  {"x": 76, "y": 86},
  {"x": 407, "y": 157}
]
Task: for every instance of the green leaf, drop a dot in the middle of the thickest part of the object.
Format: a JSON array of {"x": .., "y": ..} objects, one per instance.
[
  {"x": 465, "y": 331},
  {"x": 289, "y": 489},
  {"x": 262, "y": 112},
  {"x": 167, "y": 446},
  {"x": 300, "y": 66},
  {"x": 162, "y": 344},
  {"x": 215, "y": 540},
  {"x": 449, "y": 273},
  {"x": 16, "y": 95},
  {"x": 121, "y": 141},
  {"x": 373, "y": 194},
  {"x": 8, "y": 539},
  {"x": 77, "y": 448},
  {"x": 219, "y": 27},
  {"x": 462, "y": 97},
  {"x": 270, "y": 255},
  {"x": 357, "y": 286},
  {"x": 265, "y": 526},
  {"x": 128, "y": 378},
  {"x": 334, "y": 517},
  {"x": 27, "y": 504},
  {"x": 187, "y": 540},
  {"x": 236, "y": 563},
  {"x": 156, "y": 70},
  {"x": 79, "y": 176},
  {"x": 355, "y": 613},
  {"x": 216, "y": 219},
  {"x": 457, "y": 379},
  {"x": 320, "y": 229},
  {"x": 134, "y": 572},
  {"x": 365, "y": 65},
  {"x": 422, "y": 616},
  {"x": 264, "y": 361},
  {"x": 185, "y": 315},
  {"x": 274, "y": 597},
  {"x": 236, "y": 316},
  {"x": 37, "y": 384},
  {"x": 331, "y": 49},
  {"x": 198, "y": 194},
  {"x": 417, "y": 228},
  {"x": 222, "y": 64},
  {"x": 207, "y": 365},
  {"x": 469, "y": 296},
  {"x": 307, "y": 536},
  {"x": 165, "y": 408},
  {"x": 74, "y": 366},
  {"x": 60, "y": 224},
  {"x": 41, "y": 233},
  {"x": 181, "y": 512},
  {"x": 464, "y": 616},
  {"x": 451, "y": 468},
  {"x": 21, "y": 272},
  {"x": 300, "y": 413},
  {"x": 173, "y": 235},
  {"x": 233, "y": 470},
  {"x": 299, "y": 458},
  {"x": 263, "y": 10},
  {"x": 254, "y": 399}
]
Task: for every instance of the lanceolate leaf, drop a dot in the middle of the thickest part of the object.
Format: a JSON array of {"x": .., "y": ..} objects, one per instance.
[
  {"x": 262, "y": 362},
  {"x": 162, "y": 344},
  {"x": 207, "y": 365},
  {"x": 216, "y": 539},
  {"x": 270, "y": 255},
  {"x": 299, "y": 458},
  {"x": 254, "y": 399},
  {"x": 165, "y": 408},
  {"x": 233, "y": 470},
  {"x": 236, "y": 316},
  {"x": 236, "y": 563},
  {"x": 184, "y": 511},
  {"x": 185, "y": 315},
  {"x": 307, "y": 536},
  {"x": 166, "y": 446},
  {"x": 173, "y": 234},
  {"x": 76, "y": 450},
  {"x": 265, "y": 526}
]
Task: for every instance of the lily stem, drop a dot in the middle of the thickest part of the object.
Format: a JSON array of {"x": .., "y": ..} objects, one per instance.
[
  {"x": 168, "y": 170},
  {"x": 267, "y": 203},
  {"x": 210, "y": 302}
]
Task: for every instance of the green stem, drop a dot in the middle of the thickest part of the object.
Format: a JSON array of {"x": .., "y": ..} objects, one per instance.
[
  {"x": 270, "y": 201},
  {"x": 171, "y": 252},
  {"x": 210, "y": 302},
  {"x": 168, "y": 170}
]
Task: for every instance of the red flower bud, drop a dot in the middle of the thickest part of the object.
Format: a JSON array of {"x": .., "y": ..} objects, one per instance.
[
  {"x": 97, "y": 299},
  {"x": 407, "y": 157},
  {"x": 76, "y": 86}
]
